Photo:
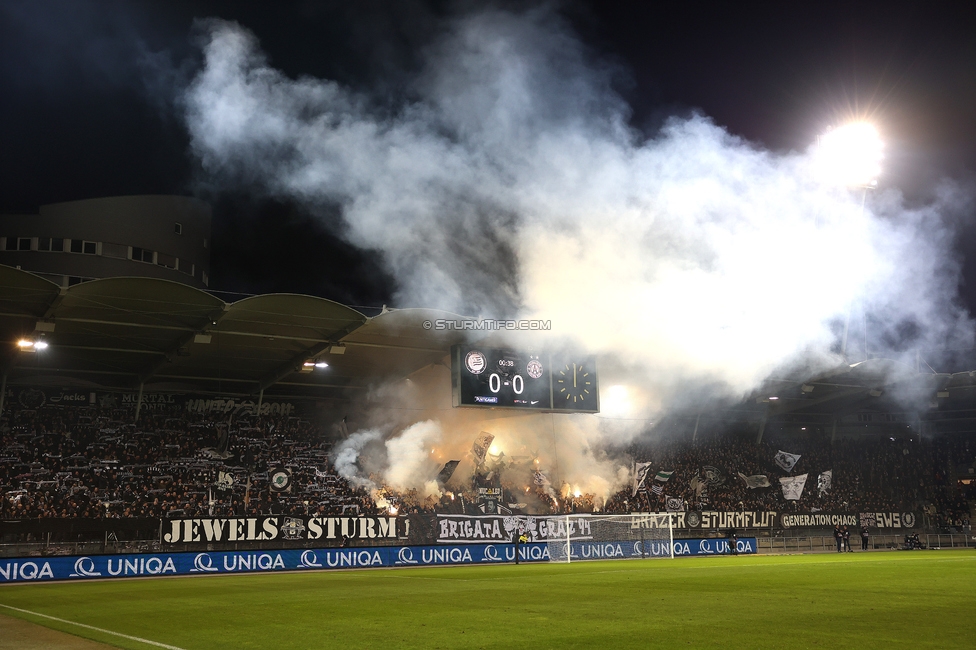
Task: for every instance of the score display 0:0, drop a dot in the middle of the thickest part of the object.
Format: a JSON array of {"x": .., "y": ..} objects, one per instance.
[{"x": 495, "y": 383}]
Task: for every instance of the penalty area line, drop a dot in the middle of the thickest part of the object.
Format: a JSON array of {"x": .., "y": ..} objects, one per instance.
[{"x": 92, "y": 627}]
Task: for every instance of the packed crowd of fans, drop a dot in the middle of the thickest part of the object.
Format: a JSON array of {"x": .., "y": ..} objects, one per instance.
[
  {"x": 92, "y": 462},
  {"x": 96, "y": 461},
  {"x": 887, "y": 475}
]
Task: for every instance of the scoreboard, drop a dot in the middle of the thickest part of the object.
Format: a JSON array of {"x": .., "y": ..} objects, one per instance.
[{"x": 506, "y": 378}]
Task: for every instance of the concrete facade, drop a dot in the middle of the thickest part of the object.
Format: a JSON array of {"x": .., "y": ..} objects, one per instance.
[{"x": 165, "y": 237}]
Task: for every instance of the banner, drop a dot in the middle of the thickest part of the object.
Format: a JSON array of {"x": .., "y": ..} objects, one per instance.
[
  {"x": 786, "y": 460},
  {"x": 895, "y": 520},
  {"x": 279, "y": 527},
  {"x": 824, "y": 481},
  {"x": 86, "y": 567},
  {"x": 887, "y": 519},
  {"x": 755, "y": 481},
  {"x": 640, "y": 473},
  {"x": 481, "y": 445}
]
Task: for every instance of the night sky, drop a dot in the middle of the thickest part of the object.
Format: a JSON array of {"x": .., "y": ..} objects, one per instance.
[{"x": 88, "y": 100}]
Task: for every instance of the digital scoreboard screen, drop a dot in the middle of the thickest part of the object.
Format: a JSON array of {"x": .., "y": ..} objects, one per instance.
[{"x": 506, "y": 378}]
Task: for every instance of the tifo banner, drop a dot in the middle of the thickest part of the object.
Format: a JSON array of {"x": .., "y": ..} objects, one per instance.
[
  {"x": 466, "y": 529},
  {"x": 213, "y": 562},
  {"x": 896, "y": 520},
  {"x": 712, "y": 519},
  {"x": 279, "y": 527}
]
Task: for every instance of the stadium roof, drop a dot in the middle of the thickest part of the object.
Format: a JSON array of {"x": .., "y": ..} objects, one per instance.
[{"x": 120, "y": 332}]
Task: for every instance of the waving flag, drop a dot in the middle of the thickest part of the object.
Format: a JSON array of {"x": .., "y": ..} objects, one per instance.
[
  {"x": 755, "y": 481},
  {"x": 793, "y": 486},
  {"x": 824, "y": 481},
  {"x": 786, "y": 460}
]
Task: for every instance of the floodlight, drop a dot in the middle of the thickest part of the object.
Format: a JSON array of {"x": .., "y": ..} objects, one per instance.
[
  {"x": 25, "y": 344},
  {"x": 851, "y": 155},
  {"x": 321, "y": 364},
  {"x": 40, "y": 345}
]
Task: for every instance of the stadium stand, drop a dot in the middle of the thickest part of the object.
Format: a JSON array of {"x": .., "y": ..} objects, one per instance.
[{"x": 98, "y": 462}]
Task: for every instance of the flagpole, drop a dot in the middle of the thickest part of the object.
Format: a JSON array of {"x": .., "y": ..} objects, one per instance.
[{"x": 671, "y": 536}]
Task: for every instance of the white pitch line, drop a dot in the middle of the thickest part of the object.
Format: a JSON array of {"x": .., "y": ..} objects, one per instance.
[{"x": 92, "y": 627}]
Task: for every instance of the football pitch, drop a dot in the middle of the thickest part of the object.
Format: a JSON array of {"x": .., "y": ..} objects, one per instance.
[{"x": 915, "y": 599}]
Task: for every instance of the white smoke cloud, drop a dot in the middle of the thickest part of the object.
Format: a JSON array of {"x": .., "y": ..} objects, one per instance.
[
  {"x": 512, "y": 185},
  {"x": 347, "y": 455},
  {"x": 409, "y": 455}
]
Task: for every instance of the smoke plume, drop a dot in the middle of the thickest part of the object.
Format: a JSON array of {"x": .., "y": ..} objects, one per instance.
[{"x": 511, "y": 183}]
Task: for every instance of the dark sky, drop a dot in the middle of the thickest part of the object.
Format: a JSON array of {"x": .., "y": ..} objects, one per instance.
[{"x": 87, "y": 110}]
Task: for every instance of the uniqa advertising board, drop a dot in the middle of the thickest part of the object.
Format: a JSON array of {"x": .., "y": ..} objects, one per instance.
[{"x": 158, "y": 564}]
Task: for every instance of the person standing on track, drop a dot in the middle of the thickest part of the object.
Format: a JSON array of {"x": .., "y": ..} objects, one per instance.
[
  {"x": 838, "y": 537},
  {"x": 847, "y": 540},
  {"x": 864, "y": 538}
]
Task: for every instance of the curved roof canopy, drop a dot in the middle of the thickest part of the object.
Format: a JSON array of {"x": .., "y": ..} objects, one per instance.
[{"x": 126, "y": 331}]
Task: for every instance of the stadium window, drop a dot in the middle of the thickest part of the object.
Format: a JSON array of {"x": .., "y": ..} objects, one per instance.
[
  {"x": 90, "y": 248},
  {"x": 11, "y": 244},
  {"x": 43, "y": 243},
  {"x": 204, "y": 242},
  {"x": 77, "y": 245},
  {"x": 142, "y": 255},
  {"x": 162, "y": 259},
  {"x": 57, "y": 245},
  {"x": 23, "y": 243},
  {"x": 206, "y": 280},
  {"x": 115, "y": 250},
  {"x": 179, "y": 228}
]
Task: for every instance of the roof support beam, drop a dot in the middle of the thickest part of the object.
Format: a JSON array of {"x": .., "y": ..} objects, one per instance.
[
  {"x": 295, "y": 363},
  {"x": 209, "y": 321}
]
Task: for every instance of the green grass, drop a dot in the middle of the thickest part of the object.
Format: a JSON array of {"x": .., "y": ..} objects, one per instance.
[{"x": 872, "y": 600}]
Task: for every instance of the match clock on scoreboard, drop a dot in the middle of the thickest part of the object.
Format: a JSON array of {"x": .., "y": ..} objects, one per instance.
[{"x": 506, "y": 378}]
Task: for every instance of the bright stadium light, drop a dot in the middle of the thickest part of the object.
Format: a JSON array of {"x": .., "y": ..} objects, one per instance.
[
  {"x": 40, "y": 345},
  {"x": 28, "y": 345},
  {"x": 851, "y": 155}
]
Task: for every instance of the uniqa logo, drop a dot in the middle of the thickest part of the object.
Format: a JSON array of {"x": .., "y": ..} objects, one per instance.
[
  {"x": 309, "y": 561},
  {"x": 203, "y": 562},
  {"x": 491, "y": 554},
  {"x": 85, "y": 568},
  {"x": 405, "y": 556}
]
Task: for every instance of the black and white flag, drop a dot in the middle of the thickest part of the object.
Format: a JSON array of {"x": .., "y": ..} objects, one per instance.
[
  {"x": 445, "y": 474},
  {"x": 674, "y": 504},
  {"x": 786, "y": 460},
  {"x": 824, "y": 481},
  {"x": 755, "y": 481},
  {"x": 225, "y": 480},
  {"x": 481, "y": 445},
  {"x": 640, "y": 473},
  {"x": 793, "y": 486}
]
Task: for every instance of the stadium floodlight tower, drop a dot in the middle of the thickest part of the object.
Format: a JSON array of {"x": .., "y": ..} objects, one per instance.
[{"x": 850, "y": 156}]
